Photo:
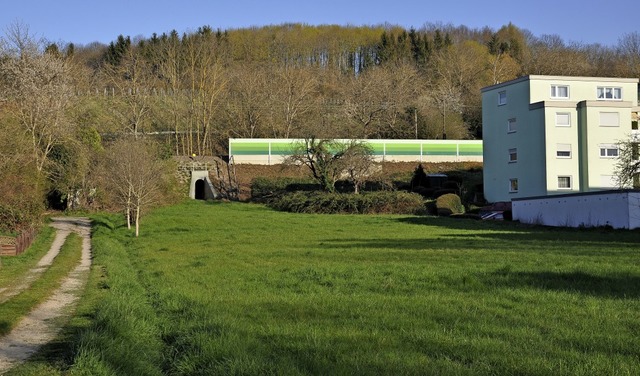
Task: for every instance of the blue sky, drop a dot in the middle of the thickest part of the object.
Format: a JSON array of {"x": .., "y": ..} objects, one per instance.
[{"x": 85, "y": 21}]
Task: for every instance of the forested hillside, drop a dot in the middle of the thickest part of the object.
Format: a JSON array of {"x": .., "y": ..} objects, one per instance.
[
  {"x": 192, "y": 91},
  {"x": 296, "y": 80}
]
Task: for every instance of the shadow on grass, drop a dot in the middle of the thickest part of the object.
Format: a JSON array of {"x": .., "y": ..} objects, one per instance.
[
  {"x": 4, "y": 327},
  {"x": 620, "y": 287},
  {"x": 98, "y": 221},
  {"x": 515, "y": 231},
  {"x": 510, "y": 243}
]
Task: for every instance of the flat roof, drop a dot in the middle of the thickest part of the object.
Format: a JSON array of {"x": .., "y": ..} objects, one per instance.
[
  {"x": 559, "y": 78},
  {"x": 578, "y": 194}
]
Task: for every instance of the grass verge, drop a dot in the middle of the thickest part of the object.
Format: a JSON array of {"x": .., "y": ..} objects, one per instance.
[{"x": 15, "y": 266}]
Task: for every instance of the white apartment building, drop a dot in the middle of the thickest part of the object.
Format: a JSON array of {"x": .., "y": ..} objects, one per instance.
[{"x": 545, "y": 135}]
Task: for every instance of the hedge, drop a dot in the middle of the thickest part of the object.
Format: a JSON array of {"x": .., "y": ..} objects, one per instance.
[
  {"x": 263, "y": 189},
  {"x": 384, "y": 202}
]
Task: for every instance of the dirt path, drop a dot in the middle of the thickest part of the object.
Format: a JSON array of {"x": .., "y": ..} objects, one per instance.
[
  {"x": 34, "y": 273},
  {"x": 44, "y": 322}
]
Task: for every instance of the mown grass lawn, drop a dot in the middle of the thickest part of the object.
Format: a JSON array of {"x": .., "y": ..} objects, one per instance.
[{"x": 229, "y": 288}]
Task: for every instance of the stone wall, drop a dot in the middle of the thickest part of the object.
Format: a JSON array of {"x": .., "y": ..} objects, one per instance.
[{"x": 221, "y": 174}]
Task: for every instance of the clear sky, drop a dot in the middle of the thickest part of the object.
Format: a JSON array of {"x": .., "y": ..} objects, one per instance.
[{"x": 86, "y": 21}]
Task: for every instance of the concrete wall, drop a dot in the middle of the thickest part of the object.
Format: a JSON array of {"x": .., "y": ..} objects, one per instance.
[
  {"x": 618, "y": 209},
  {"x": 209, "y": 191},
  {"x": 273, "y": 151}
]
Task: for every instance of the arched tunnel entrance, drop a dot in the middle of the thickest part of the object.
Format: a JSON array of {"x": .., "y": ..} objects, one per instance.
[{"x": 200, "y": 184}]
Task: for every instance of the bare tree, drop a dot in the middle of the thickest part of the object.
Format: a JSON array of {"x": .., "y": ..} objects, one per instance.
[
  {"x": 358, "y": 163},
  {"x": 38, "y": 89},
  {"x": 364, "y": 106},
  {"x": 245, "y": 107},
  {"x": 134, "y": 175},
  {"x": 132, "y": 80},
  {"x": 292, "y": 98},
  {"x": 206, "y": 82},
  {"x": 629, "y": 50}
]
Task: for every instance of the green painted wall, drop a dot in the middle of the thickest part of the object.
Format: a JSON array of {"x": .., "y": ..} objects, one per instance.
[{"x": 380, "y": 147}]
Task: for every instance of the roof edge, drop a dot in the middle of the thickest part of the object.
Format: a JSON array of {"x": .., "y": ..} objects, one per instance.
[{"x": 559, "y": 78}]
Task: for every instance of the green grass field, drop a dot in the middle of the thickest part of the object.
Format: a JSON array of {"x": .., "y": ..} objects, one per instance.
[{"x": 230, "y": 288}]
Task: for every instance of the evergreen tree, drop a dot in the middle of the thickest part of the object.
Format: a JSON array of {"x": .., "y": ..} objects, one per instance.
[{"x": 116, "y": 51}]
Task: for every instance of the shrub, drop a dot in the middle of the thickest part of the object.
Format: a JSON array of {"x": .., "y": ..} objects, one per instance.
[
  {"x": 424, "y": 192},
  {"x": 450, "y": 184},
  {"x": 419, "y": 178},
  {"x": 263, "y": 189},
  {"x": 385, "y": 202},
  {"x": 448, "y": 204},
  {"x": 441, "y": 192}
]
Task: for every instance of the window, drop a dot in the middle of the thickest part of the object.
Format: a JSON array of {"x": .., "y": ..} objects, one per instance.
[
  {"x": 560, "y": 91},
  {"x": 513, "y": 185},
  {"x": 512, "y": 126},
  {"x": 563, "y": 151},
  {"x": 609, "y": 93},
  {"x": 513, "y": 155},
  {"x": 608, "y": 151},
  {"x": 502, "y": 98},
  {"x": 609, "y": 119},
  {"x": 564, "y": 182},
  {"x": 563, "y": 119}
]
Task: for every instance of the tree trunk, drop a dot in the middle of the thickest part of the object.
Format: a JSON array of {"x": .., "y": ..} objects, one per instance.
[{"x": 137, "y": 220}]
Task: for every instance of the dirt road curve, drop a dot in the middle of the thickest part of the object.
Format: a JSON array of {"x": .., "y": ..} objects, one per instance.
[{"x": 44, "y": 322}]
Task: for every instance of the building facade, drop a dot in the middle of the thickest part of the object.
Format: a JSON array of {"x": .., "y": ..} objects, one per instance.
[{"x": 545, "y": 135}]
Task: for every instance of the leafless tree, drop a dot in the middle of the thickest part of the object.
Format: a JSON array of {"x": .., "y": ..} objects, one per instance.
[
  {"x": 37, "y": 89},
  {"x": 205, "y": 82},
  {"x": 132, "y": 80},
  {"x": 133, "y": 173},
  {"x": 358, "y": 163},
  {"x": 629, "y": 50},
  {"x": 292, "y": 98}
]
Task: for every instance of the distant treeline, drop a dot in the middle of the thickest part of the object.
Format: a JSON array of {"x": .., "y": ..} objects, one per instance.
[{"x": 297, "y": 80}]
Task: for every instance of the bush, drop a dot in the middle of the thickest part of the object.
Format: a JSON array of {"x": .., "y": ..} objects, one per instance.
[
  {"x": 385, "y": 202},
  {"x": 263, "y": 189},
  {"x": 419, "y": 178},
  {"x": 448, "y": 204}
]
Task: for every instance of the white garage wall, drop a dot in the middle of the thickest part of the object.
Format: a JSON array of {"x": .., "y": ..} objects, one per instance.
[{"x": 618, "y": 209}]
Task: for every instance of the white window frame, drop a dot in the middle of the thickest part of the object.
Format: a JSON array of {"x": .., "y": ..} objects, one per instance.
[
  {"x": 569, "y": 179},
  {"x": 607, "y": 151},
  {"x": 563, "y": 148},
  {"x": 562, "y": 114},
  {"x": 555, "y": 92},
  {"x": 502, "y": 98},
  {"x": 513, "y": 185},
  {"x": 609, "y": 93},
  {"x": 512, "y": 125},
  {"x": 606, "y": 123},
  {"x": 513, "y": 155}
]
